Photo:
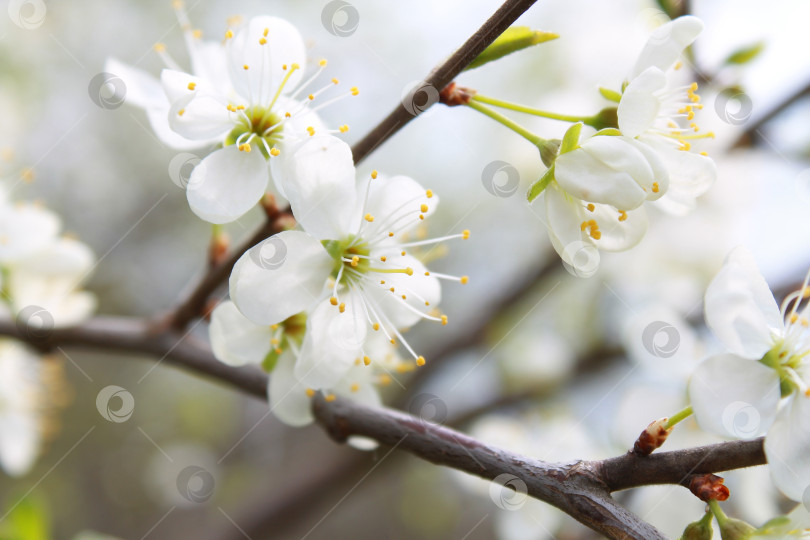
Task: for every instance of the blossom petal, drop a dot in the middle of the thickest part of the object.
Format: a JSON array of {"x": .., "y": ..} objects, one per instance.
[
  {"x": 734, "y": 397},
  {"x": 659, "y": 183},
  {"x": 690, "y": 176},
  {"x": 200, "y": 115},
  {"x": 564, "y": 218},
  {"x": 667, "y": 43},
  {"x": 786, "y": 449},
  {"x": 142, "y": 88},
  {"x": 318, "y": 179},
  {"x": 639, "y": 106},
  {"x": 418, "y": 289},
  {"x": 176, "y": 84},
  {"x": 235, "y": 339},
  {"x": 287, "y": 396},
  {"x": 396, "y": 199},
  {"x": 226, "y": 184},
  {"x": 619, "y": 235},
  {"x": 265, "y": 72},
  {"x": 332, "y": 343},
  {"x": 740, "y": 309},
  {"x": 605, "y": 170},
  {"x": 280, "y": 277},
  {"x": 24, "y": 229}
]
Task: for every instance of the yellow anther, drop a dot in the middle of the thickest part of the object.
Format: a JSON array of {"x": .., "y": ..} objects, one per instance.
[
  {"x": 404, "y": 297},
  {"x": 287, "y": 115},
  {"x": 383, "y": 258},
  {"x": 402, "y": 252},
  {"x": 231, "y": 108},
  {"x": 444, "y": 320},
  {"x": 310, "y": 97},
  {"x": 333, "y": 301},
  {"x": 409, "y": 271},
  {"x": 392, "y": 341},
  {"x": 392, "y": 289},
  {"x": 421, "y": 216},
  {"x": 382, "y": 282},
  {"x": 274, "y": 327},
  {"x": 374, "y": 174},
  {"x": 694, "y": 126},
  {"x": 27, "y": 175},
  {"x": 240, "y": 107},
  {"x": 228, "y": 34},
  {"x": 804, "y": 322},
  {"x": 690, "y": 116},
  {"x": 464, "y": 280},
  {"x": 590, "y": 207},
  {"x": 806, "y": 292},
  {"x": 583, "y": 225},
  {"x": 369, "y": 218},
  {"x": 376, "y": 326},
  {"x": 274, "y": 341},
  {"x": 420, "y": 361},
  {"x": 244, "y": 147},
  {"x": 342, "y": 307},
  {"x": 265, "y": 32},
  {"x": 355, "y": 260},
  {"x": 622, "y": 215},
  {"x": 793, "y": 318},
  {"x": 354, "y": 91},
  {"x": 197, "y": 34},
  {"x": 429, "y": 193},
  {"x": 335, "y": 81},
  {"x": 427, "y": 303},
  {"x": 330, "y": 398},
  {"x": 322, "y": 63},
  {"x": 275, "y": 151},
  {"x": 423, "y": 208},
  {"x": 704, "y": 153},
  {"x": 390, "y": 234},
  {"x": 310, "y": 392},
  {"x": 465, "y": 234},
  {"x": 245, "y": 67},
  {"x": 262, "y": 41},
  {"x": 678, "y": 66},
  {"x": 181, "y": 112},
  {"x": 344, "y": 128},
  {"x": 693, "y": 86},
  {"x": 192, "y": 85},
  {"x": 159, "y": 47},
  {"x": 385, "y": 379},
  {"x": 366, "y": 360},
  {"x": 295, "y": 66},
  {"x": 311, "y": 131},
  {"x": 355, "y": 387},
  {"x": 596, "y": 234},
  {"x": 427, "y": 273},
  {"x": 655, "y": 187}
]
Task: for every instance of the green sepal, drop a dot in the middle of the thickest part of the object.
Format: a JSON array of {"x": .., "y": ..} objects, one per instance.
[
  {"x": 570, "y": 140},
  {"x": 270, "y": 361},
  {"x": 745, "y": 54},
  {"x": 606, "y": 118},
  {"x": 27, "y": 520},
  {"x": 512, "y": 40},
  {"x": 610, "y": 132},
  {"x": 538, "y": 187},
  {"x": 700, "y": 529},
  {"x": 610, "y": 95}
]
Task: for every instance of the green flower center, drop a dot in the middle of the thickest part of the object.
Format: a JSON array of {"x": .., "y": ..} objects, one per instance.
[{"x": 258, "y": 124}]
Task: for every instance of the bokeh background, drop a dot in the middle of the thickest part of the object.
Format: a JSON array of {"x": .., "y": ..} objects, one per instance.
[{"x": 561, "y": 371}]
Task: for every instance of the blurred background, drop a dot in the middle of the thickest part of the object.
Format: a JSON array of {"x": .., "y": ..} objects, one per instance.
[{"x": 561, "y": 370}]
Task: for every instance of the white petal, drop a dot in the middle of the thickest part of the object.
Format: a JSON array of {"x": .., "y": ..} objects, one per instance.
[
  {"x": 288, "y": 397},
  {"x": 605, "y": 170},
  {"x": 24, "y": 229},
  {"x": 659, "y": 184},
  {"x": 226, "y": 184},
  {"x": 639, "y": 106},
  {"x": 209, "y": 62},
  {"x": 332, "y": 343},
  {"x": 19, "y": 441},
  {"x": 280, "y": 277},
  {"x": 63, "y": 257},
  {"x": 418, "y": 289},
  {"x": 284, "y": 46},
  {"x": 159, "y": 120},
  {"x": 201, "y": 116},
  {"x": 619, "y": 235},
  {"x": 740, "y": 309},
  {"x": 690, "y": 175},
  {"x": 667, "y": 43},
  {"x": 786, "y": 447},
  {"x": 398, "y": 199},
  {"x": 142, "y": 89},
  {"x": 318, "y": 179},
  {"x": 734, "y": 396},
  {"x": 175, "y": 84},
  {"x": 235, "y": 339},
  {"x": 564, "y": 216}
]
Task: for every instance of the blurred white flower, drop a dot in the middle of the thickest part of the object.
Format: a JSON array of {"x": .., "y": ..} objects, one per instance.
[
  {"x": 738, "y": 394},
  {"x": 348, "y": 268}
]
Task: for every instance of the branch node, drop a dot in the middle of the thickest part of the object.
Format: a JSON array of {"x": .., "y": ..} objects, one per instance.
[
  {"x": 708, "y": 487},
  {"x": 651, "y": 438},
  {"x": 454, "y": 95}
]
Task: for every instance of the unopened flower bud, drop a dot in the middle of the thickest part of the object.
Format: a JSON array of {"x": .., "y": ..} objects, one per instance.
[
  {"x": 707, "y": 487},
  {"x": 651, "y": 438},
  {"x": 699, "y": 530}
]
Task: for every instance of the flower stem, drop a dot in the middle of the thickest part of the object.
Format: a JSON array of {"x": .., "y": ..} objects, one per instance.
[
  {"x": 514, "y": 126},
  {"x": 719, "y": 515},
  {"x": 587, "y": 120},
  {"x": 678, "y": 417}
]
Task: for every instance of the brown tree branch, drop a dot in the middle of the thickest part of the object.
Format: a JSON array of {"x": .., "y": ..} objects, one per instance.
[
  {"x": 444, "y": 73},
  {"x": 752, "y": 132}
]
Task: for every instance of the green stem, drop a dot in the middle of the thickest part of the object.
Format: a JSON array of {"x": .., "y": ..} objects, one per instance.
[
  {"x": 587, "y": 120},
  {"x": 678, "y": 417},
  {"x": 719, "y": 515},
  {"x": 514, "y": 126},
  {"x": 216, "y": 230}
]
